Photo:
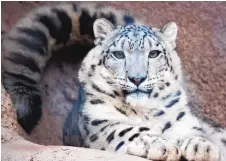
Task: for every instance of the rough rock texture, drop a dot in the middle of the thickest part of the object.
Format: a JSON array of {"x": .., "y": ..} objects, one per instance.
[
  {"x": 27, "y": 151},
  {"x": 201, "y": 46},
  {"x": 9, "y": 125}
]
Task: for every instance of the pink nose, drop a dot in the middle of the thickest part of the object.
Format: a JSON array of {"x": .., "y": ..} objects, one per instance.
[{"x": 136, "y": 81}]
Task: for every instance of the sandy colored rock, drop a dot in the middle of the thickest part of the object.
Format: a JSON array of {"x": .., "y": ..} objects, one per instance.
[
  {"x": 27, "y": 151},
  {"x": 9, "y": 126}
]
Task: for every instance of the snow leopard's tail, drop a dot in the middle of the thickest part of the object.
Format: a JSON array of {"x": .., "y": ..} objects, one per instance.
[{"x": 27, "y": 48}]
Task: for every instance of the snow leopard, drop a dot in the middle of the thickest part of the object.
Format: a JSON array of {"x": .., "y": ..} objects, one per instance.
[{"x": 134, "y": 100}]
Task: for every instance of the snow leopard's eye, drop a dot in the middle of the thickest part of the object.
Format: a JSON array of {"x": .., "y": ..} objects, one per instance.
[
  {"x": 154, "y": 53},
  {"x": 118, "y": 54}
]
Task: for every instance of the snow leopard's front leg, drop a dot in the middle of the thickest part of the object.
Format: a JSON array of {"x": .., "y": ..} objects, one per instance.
[
  {"x": 206, "y": 144},
  {"x": 199, "y": 148},
  {"x": 154, "y": 147},
  {"x": 197, "y": 141},
  {"x": 122, "y": 137}
]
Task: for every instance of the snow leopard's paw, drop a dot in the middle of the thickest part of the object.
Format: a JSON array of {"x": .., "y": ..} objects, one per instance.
[
  {"x": 154, "y": 148},
  {"x": 199, "y": 149}
]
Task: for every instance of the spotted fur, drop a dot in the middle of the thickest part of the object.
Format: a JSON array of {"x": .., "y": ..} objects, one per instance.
[
  {"x": 136, "y": 102},
  {"x": 29, "y": 45}
]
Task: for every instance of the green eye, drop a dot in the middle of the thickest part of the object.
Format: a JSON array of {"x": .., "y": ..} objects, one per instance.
[
  {"x": 154, "y": 53},
  {"x": 118, "y": 54}
]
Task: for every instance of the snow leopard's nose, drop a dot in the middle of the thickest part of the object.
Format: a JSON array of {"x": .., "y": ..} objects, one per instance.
[{"x": 137, "y": 81}]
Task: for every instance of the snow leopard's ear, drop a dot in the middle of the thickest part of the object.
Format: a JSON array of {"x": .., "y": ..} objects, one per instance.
[
  {"x": 101, "y": 28},
  {"x": 170, "y": 31}
]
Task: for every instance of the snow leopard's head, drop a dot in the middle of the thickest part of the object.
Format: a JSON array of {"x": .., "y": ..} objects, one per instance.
[{"x": 136, "y": 58}]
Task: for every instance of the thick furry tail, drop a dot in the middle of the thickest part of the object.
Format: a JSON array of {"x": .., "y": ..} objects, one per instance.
[{"x": 29, "y": 44}]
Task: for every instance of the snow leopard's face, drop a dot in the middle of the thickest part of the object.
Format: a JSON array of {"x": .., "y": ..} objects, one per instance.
[{"x": 139, "y": 58}]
